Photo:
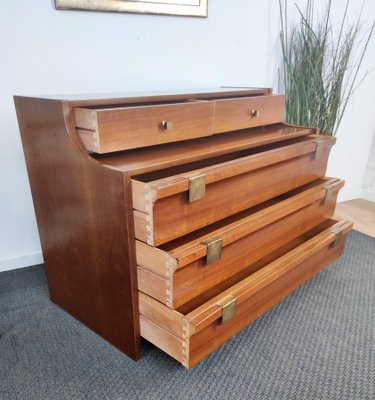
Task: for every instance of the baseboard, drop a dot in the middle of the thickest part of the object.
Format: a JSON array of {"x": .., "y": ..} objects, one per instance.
[
  {"x": 349, "y": 193},
  {"x": 368, "y": 195},
  {"x": 26, "y": 260}
]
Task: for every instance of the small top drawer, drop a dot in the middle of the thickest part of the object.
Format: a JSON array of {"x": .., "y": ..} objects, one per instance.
[
  {"x": 104, "y": 130},
  {"x": 248, "y": 112}
]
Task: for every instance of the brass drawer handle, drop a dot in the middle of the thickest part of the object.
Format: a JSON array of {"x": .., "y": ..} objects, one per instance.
[
  {"x": 214, "y": 248},
  {"x": 166, "y": 125},
  {"x": 228, "y": 307},
  {"x": 255, "y": 113},
  {"x": 338, "y": 232}
]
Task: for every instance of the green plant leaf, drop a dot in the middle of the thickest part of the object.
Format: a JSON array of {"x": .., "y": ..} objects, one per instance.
[{"x": 319, "y": 72}]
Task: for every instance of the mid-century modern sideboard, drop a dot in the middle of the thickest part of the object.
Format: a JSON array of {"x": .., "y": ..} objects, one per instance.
[{"x": 177, "y": 216}]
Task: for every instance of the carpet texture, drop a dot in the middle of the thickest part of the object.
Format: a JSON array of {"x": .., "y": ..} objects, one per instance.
[{"x": 319, "y": 343}]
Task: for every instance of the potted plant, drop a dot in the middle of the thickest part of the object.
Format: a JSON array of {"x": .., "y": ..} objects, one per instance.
[{"x": 320, "y": 65}]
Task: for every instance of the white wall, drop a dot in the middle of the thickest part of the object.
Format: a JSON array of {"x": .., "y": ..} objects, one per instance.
[
  {"x": 46, "y": 51},
  {"x": 368, "y": 188},
  {"x": 350, "y": 155}
]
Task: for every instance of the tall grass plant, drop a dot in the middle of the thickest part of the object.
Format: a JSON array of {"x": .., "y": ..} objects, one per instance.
[{"x": 321, "y": 66}]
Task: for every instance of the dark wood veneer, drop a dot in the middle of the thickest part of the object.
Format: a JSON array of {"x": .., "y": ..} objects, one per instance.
[
  {"x": 84, "y": 209},
  {"x": 85, "y": 230}
]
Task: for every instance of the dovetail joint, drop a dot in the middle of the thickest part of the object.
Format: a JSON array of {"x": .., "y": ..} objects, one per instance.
[{"x": 185, "y": 343}]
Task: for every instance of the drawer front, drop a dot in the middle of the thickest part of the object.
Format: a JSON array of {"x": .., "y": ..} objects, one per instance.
[
  {"x": 115, "y": 129},
  {"x": 235, "y": 114},
  {"x": 163, "y": 211},
  {"x": 185, "y": 272},
  {"x": 191, "y": 335}
]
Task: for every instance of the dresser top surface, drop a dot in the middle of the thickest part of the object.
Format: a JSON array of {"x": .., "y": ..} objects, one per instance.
[{"x": 142, "y": 96}]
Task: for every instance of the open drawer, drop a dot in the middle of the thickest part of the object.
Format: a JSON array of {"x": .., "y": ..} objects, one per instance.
[
  {"x": 175, "y": 201},
  {"x": 108, "y": 129},
  {"x": 195, "y": 330},
  {"x": 177, "y": 272},
  {"x": 247, "y": 112}
]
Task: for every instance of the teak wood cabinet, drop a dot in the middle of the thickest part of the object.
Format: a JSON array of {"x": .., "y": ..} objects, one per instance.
[{"x": 177, "y": 216}]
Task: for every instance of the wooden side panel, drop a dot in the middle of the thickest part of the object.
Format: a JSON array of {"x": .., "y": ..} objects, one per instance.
[
  {"x": 174, "y": 216},
  {"x": 149, "y": 282},
  {"x": 140, "y": 196},
  {"x": 82, "y": 210},
  {"x": 235, "y": 114},
  {"x": 214, "y": 335},
  {"x": 85, "y": 118},
  {"x": 170, "y": 320},
  {"x": 142, "y": 226},
  {"x": 154, "y": 259},
  {"x": 89, "y": 140}
]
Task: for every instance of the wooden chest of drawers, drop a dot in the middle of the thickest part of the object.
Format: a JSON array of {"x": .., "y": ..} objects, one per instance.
[{"x": 177, "y": 216}]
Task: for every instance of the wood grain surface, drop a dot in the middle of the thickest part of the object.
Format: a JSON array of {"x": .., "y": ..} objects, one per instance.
[
  {"x": 82, "y": 210},
  {"x": 201, "y": 329},
  {"x": 361, "y": 212},
  {"x": 153, "y": 158},
  {"x": 234, "y": 114},
  {"x": 91, "y": 207},
  {"x": 180, "y": 274},
  {"x": 253, "y": 179},
  {"x": 122, "y": 128}
]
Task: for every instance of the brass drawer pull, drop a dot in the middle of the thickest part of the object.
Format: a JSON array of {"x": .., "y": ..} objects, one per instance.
[
  {"x": 228, "y": 307},
  {"x": 166, "y": 125},
  {"x": 255, "y": 113},
  {"x": 320, "y": 147},
  {"x": 197, "y": 187},
  {"x": 338, "y": 232},
  {"x": 214, "y": 247}
]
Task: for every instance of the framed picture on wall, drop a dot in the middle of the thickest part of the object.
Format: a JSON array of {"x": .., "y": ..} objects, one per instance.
[{"x": 195, "y": 8}]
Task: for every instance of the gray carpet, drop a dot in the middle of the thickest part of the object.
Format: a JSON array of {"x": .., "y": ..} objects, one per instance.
[{"x": 319, "y": 343}]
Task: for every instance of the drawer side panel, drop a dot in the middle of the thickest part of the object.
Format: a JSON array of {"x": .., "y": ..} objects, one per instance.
[{"x": 161, "y": 338}]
